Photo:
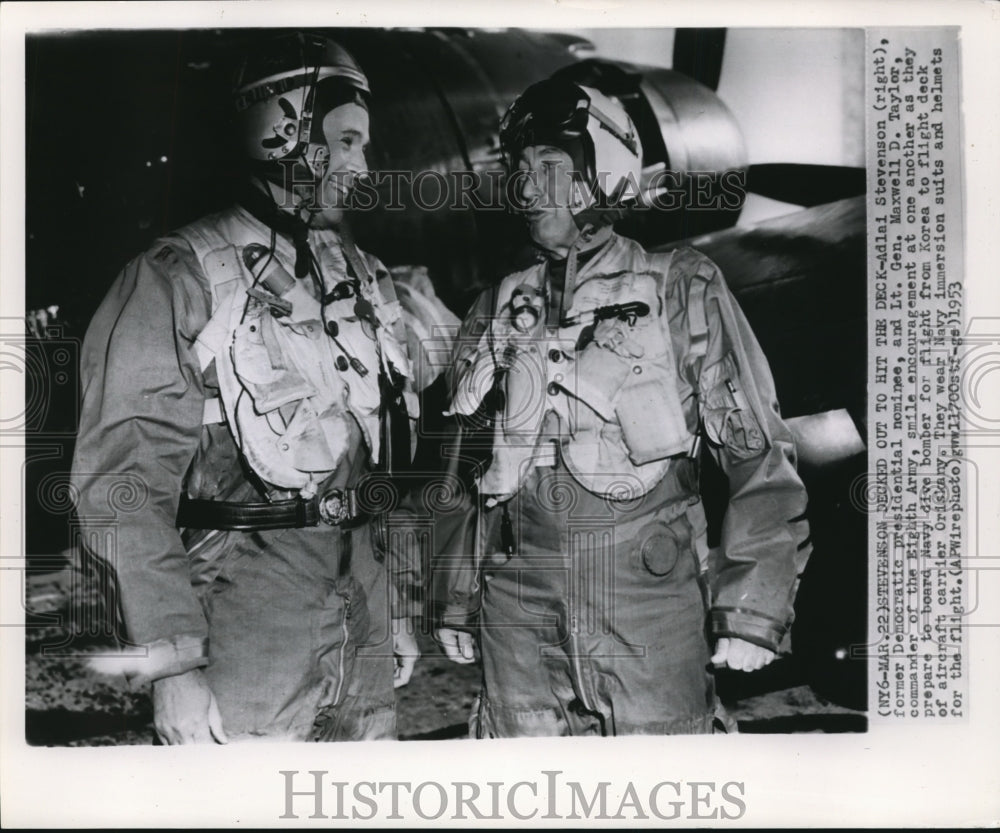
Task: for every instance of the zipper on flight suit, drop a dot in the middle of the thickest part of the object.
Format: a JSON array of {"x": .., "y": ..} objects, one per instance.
[{"x": 343, "y": 652}]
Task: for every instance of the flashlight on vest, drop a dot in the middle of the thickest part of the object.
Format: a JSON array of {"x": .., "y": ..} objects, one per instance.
[{"x": 274, "y": 276}]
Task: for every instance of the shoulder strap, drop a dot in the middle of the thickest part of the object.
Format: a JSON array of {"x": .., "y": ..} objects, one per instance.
[
  {"x": 353, "y": 255},
  {"x": 697, "y": 322},
  {"x": 217, "y": 257},
  {"x": 697, "y": 272}
]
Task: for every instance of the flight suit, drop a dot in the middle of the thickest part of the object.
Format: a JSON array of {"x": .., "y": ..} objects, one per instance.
[
  {"x": 588, "y": 578},
  {"x": 291, "y": 625}
]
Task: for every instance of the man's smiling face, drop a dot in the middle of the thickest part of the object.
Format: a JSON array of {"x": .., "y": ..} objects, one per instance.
[{"x": 345, "y": 129}]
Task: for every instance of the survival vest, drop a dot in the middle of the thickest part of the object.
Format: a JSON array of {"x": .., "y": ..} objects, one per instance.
[
  {"x": 618, "y": 399},
  {"x": 287, "y": 389}
]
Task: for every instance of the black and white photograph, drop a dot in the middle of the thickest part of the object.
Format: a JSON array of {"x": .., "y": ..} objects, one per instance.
[{"x": 515, "y": 400}]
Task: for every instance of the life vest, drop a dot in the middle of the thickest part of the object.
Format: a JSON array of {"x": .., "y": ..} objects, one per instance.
[
  {"x": 287, "y": 390},
  {"x": 619, "y": 415}
]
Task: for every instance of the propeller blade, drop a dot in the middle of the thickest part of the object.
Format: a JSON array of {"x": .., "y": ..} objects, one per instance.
[{"x": 805, "y": 185}]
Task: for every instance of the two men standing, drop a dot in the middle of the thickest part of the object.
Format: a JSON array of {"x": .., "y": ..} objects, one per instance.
[{"x": 251, "y": 370}]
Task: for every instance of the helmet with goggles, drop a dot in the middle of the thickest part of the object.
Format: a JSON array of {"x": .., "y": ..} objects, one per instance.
[
  {"x": 594, "y": 129},
  {"x": 282, "y": 90}
]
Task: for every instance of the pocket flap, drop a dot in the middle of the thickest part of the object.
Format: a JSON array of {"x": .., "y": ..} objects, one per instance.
[{"x": 728, "y": 419}]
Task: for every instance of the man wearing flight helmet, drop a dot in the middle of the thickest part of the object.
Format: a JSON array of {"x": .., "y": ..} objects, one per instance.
[
  {"x": 247, "y": 375},
  {"x": 601, "y": 369}
]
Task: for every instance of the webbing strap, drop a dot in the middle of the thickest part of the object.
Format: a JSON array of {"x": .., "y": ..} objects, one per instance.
[
  {"x": 569, "y": 284},
  {"x": 394, "y": 449},
  {"x": 697, "y": 322},
  {"x": 353, "y": 255}
]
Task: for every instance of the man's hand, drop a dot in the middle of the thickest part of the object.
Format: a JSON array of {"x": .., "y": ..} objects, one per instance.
[
  {"x": 405, "y": 650},
  {"x": 457, "y": 645},
  {"x": 185, "y": 711},
  {"x": 741, "y": 655}
]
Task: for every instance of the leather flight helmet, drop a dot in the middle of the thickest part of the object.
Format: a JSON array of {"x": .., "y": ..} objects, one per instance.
[{"x": 593, "y": 128}]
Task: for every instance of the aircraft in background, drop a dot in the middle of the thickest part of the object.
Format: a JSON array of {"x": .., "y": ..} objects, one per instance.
[{"x": 153, "y": 154}]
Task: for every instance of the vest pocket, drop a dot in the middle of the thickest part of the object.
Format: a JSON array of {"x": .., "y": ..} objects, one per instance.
[
  {"x": 314, "y": 442},
  {"x": 649, "y": 413},
  {"x": 729, "y": 421},
  {"x": 257, "y": 360},
  {"x": 641, "y": 396}
]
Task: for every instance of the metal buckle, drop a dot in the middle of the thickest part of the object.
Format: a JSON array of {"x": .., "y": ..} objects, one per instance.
[{"x": 338, "y": 506}]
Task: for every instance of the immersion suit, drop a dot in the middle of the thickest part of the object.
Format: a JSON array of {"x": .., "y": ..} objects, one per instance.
[
  {"x": 291, "y": 625},
  {"x": 590, "y": 577}
]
